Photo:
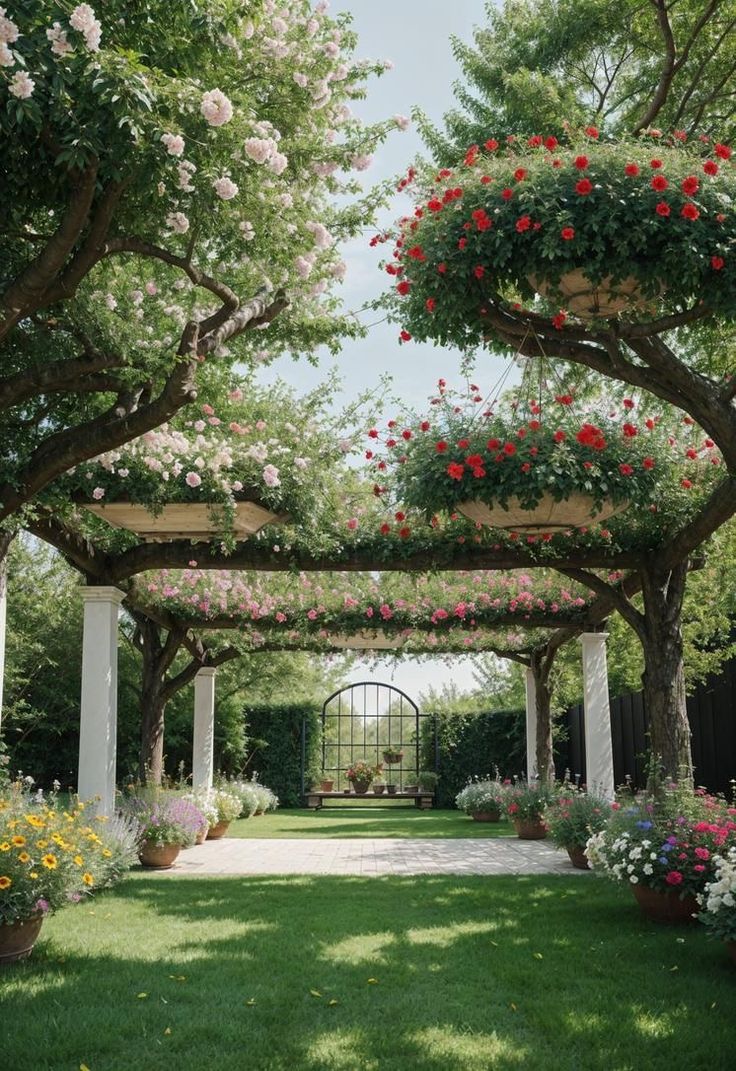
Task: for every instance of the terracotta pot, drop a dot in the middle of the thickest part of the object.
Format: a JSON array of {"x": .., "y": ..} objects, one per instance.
[
  {"x": 159, "y": 857},
  {"x": 731, "y": 946},
  {"x": 391, "y": 789},
  {"x": 588, "y": 301},
  {"x": 665, "y": 906},
  {"x": 326, "y": 786},
  {"x": 18, "y": 938},
  {"x": 578, "y": 857},
  {"x": 361, "y": 787},
  {"x": 486, "y": 816},
  {"x": 547, "y": 516},
  {"x": 378, "y": 790},
  {"x": 530, "y": 828},
  {"x": 201, "y": 837},
  {"x": 218, "y": 830}
]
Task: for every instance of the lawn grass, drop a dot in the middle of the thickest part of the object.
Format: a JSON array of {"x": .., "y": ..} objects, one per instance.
[
  {"x": 349, "y": 819},
  {"x": 367, "y": 974}
]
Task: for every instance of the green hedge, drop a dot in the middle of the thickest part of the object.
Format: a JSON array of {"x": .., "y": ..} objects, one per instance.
[
  {"x": 472, "y": 744},
  {"x": 275, "y": 737}
]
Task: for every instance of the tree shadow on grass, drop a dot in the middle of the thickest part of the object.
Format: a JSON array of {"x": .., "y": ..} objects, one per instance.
[
  {"x": 354, "y": 974},
  {"x": 376, "y": 821}
]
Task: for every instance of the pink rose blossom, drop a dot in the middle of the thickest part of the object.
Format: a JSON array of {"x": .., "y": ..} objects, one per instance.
[
  {"x": 193, "y": 479},
  {"x": 216, "y": 108},
  {"x": 98, "y": 493}
]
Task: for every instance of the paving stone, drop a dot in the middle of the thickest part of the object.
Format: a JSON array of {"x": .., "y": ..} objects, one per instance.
[{"x": 364, "y": 857}]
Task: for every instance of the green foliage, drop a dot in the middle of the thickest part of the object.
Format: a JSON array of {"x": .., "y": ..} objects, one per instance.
[
  {"x": 541, "y": 64},
  {"x": 574, "y": 815},
  {"x": 470, "y": 744},
  {"x": 275, "y": 731}
]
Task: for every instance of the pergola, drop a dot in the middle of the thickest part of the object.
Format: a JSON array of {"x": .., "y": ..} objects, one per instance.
[{"x": 114, "y": 580}]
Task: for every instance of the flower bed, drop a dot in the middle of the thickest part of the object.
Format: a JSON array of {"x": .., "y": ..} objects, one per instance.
[
  {"x": 653, "y": 211},
  {"x": 718, "y": 900}
]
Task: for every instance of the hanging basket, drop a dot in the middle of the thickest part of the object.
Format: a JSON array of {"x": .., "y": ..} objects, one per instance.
[
  {"x": 547, "y": 516},
  {"x": 588, "y": 301},
  {"x": 184, "y": 520}
]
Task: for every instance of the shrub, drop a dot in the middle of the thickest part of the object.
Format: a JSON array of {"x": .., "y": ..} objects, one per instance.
[
  {"x": 574, "y": 816},
  {"x": 719, "y": 898},
  {"x": 477, "y": 796},
  {"x": 276, "y": 732},
  {"x": 526, "y": 800}
]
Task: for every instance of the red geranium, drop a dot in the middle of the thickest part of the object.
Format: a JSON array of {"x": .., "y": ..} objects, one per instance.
[
  {"x": 583, "y": 187},
  {"x": 568, "y": 233}
]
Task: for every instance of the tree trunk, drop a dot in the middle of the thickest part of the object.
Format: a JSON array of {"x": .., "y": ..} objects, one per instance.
[
  {"x": 541, "y": 666},
  {"x": 153, "y": 707},
  {"x": 663, "y": 678}
]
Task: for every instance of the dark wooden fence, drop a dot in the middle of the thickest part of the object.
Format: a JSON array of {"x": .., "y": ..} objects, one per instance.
[{"x": 711, "y": 710}]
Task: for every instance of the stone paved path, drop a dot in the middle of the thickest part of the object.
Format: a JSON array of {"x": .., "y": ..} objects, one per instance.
[{"x": 367, "y": 857}]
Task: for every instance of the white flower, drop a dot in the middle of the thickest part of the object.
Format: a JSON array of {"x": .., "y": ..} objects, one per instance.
[
  {"x": 216, "y": 108},
  {"x": 247, "y": 230},
  {"x": 362, "y": 162},
  {"x": 174, "y": 144},
  {"x": 59, "y": 43},
  {"x": 9, "y": 32},
  {"x": 98, "y": 493},
  {"x": 7, "y": 59},
  {"x": 271, "y": 476},
  {"x": 111, "y": 302},
  {"x": 402, "y": 122},
  {"x": 83, "y": 19},
  {"x": 301, "y": 463},
  {"x": 21, "y": 85},
  {"x": 260, "y": 149},
  {"x": 278, "y": 163},
  {"x": 322, "y": 237},
  {"x": 225, "y": 188},
  {"x": 178, "y": 222}
]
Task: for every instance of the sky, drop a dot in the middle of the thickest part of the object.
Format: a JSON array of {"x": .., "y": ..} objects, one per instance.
[{"x": 421, "y": 76}]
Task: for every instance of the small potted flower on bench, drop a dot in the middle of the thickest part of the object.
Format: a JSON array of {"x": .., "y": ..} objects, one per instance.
[{"x": 360, "y": 775}]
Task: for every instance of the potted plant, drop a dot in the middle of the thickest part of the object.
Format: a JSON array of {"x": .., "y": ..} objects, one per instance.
[
  {"x": 483, "y": 800},
  {"x": 599, "y": 228},
  {"x": 204, "y": 803},
  {"x": 168, "y": 822},
  {"x": 379, "y": 785},
  {"x": 525, "y": 804},
  {"x": 718, "y": 901},
  {"x": 360, "y": 775},
  {"x": 326, "y": 784},
  {"x": 572, "y": 818},
  {"x": 427, "y": 780},
  {"x": 391, "y": 786},
  {"x": 50, "y": 857},
  {"x": 663, "y": 847},
  {"x": 543, "y": 467},
  {"x": 228, "y": 805},
  {"x": 392, "y": 755}
]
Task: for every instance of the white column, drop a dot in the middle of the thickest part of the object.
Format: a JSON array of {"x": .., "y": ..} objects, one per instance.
[
  {"x": 3, "y": 612},
  {"x": 531, "y": 725},
  {"x": 598, "y": 743},
  {"x": 99, "y": 707},
  {"x": 204, "y": 728}
]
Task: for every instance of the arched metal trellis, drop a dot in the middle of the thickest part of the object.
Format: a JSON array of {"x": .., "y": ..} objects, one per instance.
[{"x": 361, "y": 721}]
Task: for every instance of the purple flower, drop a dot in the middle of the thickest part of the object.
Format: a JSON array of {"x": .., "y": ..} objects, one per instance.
[{"x": 43, "y": 906}]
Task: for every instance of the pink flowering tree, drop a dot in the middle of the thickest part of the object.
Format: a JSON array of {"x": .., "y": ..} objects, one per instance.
[{"x": 164, "y": 208}]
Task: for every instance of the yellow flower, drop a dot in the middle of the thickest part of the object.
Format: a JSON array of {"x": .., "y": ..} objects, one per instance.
[
  {"x": 42, "y": 844},
  {"x": 94, "y": 838},
  {"x": 33, "y": 874},
  {"x": 5, "y": 883},
  {"x": 50, "y": 861},
  {"x": 24, "y": 857},
  {"x": 18, "y": 841},
  {"x": 106, "y": 853},
  {"x": 35, "y": 821},
  {"x": 78, "y": 860},
  {"x": 58, "y": 839},
  {"x": 87, "y": 878},
  {"x": 5, "y": 846}
]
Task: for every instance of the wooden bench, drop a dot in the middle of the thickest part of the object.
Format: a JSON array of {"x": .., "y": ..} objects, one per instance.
[{"x": 422, "y": 800}]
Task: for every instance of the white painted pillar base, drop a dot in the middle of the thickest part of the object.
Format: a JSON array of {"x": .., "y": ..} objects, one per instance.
[
  {"x": 204, "y": 728},
  {"x": 598, "y": 743},
  {"x": 531, "y": 726},
  {"x": 3, "y": 614},
  {"x": 99, "y": 706}
]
